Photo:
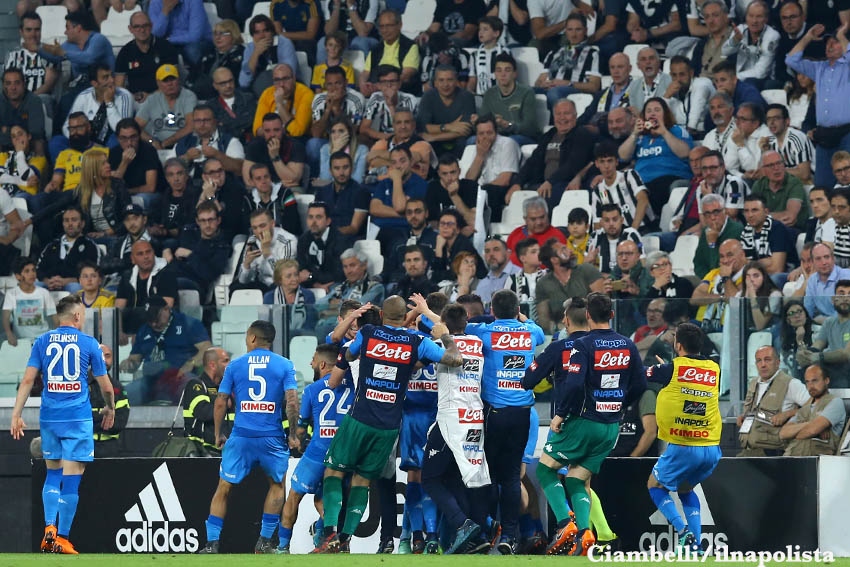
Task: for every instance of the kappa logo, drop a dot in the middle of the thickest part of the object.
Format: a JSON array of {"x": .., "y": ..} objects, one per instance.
[
  {"x": 155, "y": 532},
  {"x": 666, "y": 540},
  {"x": 432, "y": 452}
]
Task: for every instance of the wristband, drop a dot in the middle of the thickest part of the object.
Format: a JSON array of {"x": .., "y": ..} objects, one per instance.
[{"x": 276, "y": 159}]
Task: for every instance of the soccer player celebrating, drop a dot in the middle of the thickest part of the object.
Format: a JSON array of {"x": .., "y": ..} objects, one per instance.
[
  {"x": 604, "y": 374},
  {"x": 324, "y": 407},
  {"x": 64, "y": 357},
  {"x": 260, "y": 381},
  {"x": 689, "y": 420},
  {"x": 362, "y": 445}
]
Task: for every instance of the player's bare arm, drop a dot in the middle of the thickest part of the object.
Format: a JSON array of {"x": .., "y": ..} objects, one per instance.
[
  {"x": 452, "y": 355},
  {"x": 219, "y": 411},
  {"x": 108, "y": 411},
  {"x": 292, "y": 416},
  {"x": 18, "y": 425}
]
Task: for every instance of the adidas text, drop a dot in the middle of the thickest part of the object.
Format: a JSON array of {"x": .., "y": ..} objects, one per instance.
[{"x": 147, "y": 538}]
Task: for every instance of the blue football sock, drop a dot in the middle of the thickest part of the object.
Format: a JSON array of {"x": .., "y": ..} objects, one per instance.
[
  {"x": 526, "y": 526},
  {"x": 285, "y": 535},
  {"x": 50, "y": 495},
  {"x": 665, "y": 503},
  {"x": 214, "y": 524},
  {"x": 413, "y": 503},
  {"x": 690, "y": 505},
  {"x": 270, "y": 522},
  {"x": 429, "y": 514},
  {"x": 538, "y": 526},
  {"x": 68, "y": 499}
]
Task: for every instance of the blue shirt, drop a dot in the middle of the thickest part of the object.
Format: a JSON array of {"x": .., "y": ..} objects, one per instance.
[
  {"x": 422, "y": 388},
  {"x": 64, "y": 357},
  {"x": 258, "y": 381},
  {"x": 325, "y": 407},
  {"x": 655, "y": 158},
  {"x": 285, "y": 54},
  {"x": 96, "y": 50},
  {"x": 178, "y": 346},
  {"x": 186, "y": 23},
  {"x": 833, "y": 87},
  {"x": 415, "y": 188},
  {"x": 818, "y": 298}
]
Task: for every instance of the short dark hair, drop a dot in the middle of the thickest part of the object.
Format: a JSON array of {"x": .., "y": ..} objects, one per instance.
[
  {"x": 384, "y": 70},
  {"x": 336, "y": 70},
  {"x": 340, "y": 155},
  {"x": 470, "y": 298},
  {"x": 88, "y": 264},
  {"x": 347, "y": 306},
  {"x": 690, "y": 337},
  {"x": 504, "y": 57},
  {"x": 436, "y": 301},
  {"x": 74, "y": 207},
  {"x": 257, "y": 167},
  {"x": 780, "y": 107},
  {"x": 493, "y": 22},
  {"x": 604, "y": 149},
  {"x": 259, "y": 18},
  {"x": 204, "y": 106},
  {"x": 371, "y": 316},
  {"x": 67, "y": 304},
  {"x": 547, "y": 252},
  {"x": 411, "y": 249},
  {"x": 756, "y": 197},
  {"x": 320, "y": 205},
  {"x": 263, "y": 330},
  {"x": 21, "y": 263},
  {"x": 485, "y": 119},
  {"x": 680, "y": 59},
  {"x": 455, "y": 318},
  {"x": 725, "y": 66},
  {"x": 404, "y": 149},
  {"x": 524, "y": 245},
  {"x": 826, "y": 191},
  {"x": 79, "y": 114},
  {"x": 80, "y": 18},
  {"x": 843, "y": 193},
  {"x": 452, "y": 212},
  {"x": 18, "y": 71},
  {"x": 269, "y": 116},
  {"x": 125, "y": 123},
  {"x": 30, "y": 15},
  {"x": 578, "y": 214},
  {"x": 577, "y": 17},
  {"x": 96, "y": 68},
  {"x": 328, "y": 352},
  {"x": 447, "y": 158},
  {"x": 505, "y": 304},
  {"x": 756, "y": 109},
  {"x": 714, "y": 154},
  {"x": 842, "y": 283},
  {"x": 260, "y": 213},
  {"x": 609, "y": 207},
  {"x": 206, "y": 207},
  {"x": 599, "y": 307}
]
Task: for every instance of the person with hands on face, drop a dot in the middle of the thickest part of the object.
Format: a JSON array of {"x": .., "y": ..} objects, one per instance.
[
  {"x": 233, "y": 204},
  {"x": 289, "y": 99},
  {"x": 450, "y": 242},
  {"x": 21, "y": 170},
  {"x": 261, "y": 55},
  {"x": 267, "y": 245},
  {"x": 602, "y": 249},
  {"x": 284, "y": 156},
  {"x": 342, "y": 139},
  {"x": 207, "y": 141},
  {"x": 744, "y": 143},
  {"x": 336, "y": 102},
  {"x": 384, "y": 103},
  {"x": 664, "y": 282},
  {"x": 450, "y": 191},
  {"x": 496, "y": 159},
  {"x": 718, "y": 227},
  {"x": 136, "y": 162}
]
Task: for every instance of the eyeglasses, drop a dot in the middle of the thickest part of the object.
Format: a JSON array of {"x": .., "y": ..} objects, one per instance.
[
  {"x": 793, "y": 312},
  {"x": 224, "y": 83},
  {"x": 844, "y": 169},
  {"x": 746, "y": 119},
  {"x": 712, "y": 212},
  {"x": 127, "y": 138},
  {"x": 448, "y": 223},
  {"x": 219, "y": 171},
  {"x": 281, "y": 79},
  {"x": 655, "y": 311},
  {"x": 661, "y": 265},
  {"x": 141, "y": 26},
  {"x": 772, "y": 164},
  {"x": 221, "y": 33}
]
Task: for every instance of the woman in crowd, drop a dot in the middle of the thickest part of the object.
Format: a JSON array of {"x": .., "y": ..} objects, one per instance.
[
  {"x": 463, "y": 266},
  {"x": 796, "y": 330},
  {"x": 765, "y": 298},
  {"x": 21, "y": 170},
  {"x": 228, "y": 51},
  {"x": 660, "y": 149},
  {"x": 101, "y": 196},
  {"x": 801, "y": 101},
  {"x": 665, "y": 282},
  {"x": 343, "y": 138},
  {"x": 287, "y": 291}
]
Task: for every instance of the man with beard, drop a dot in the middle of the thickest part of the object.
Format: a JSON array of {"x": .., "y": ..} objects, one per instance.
[
  {"x": 201, "y": 253},
  {"x": 267, "y": 245},
  {"x": 198, "y": 399},
  {"x": 564, "y": 280},
  {"x": 404, "y": 135},
  {"x": 234, "y": 205},
  {"x": 816, "y": 427},
  {"x": 449, "y": 191},
  {"x": 415, "y": 279},
  {"x": 840, "y": 204},
  {"x": 499, "y": 266},
  {"x": 68, "y": 167},
  {"x": 347, "y": 200},
  {"x": 384, "y": 105},
  {"x": 688, "y": 96},
  {"x": 793, "y": 145},
  {"x": 207, "y": 141},
  {"x": 284, "y": 156},
  {"x": 287, "y": 98},
  {"x": 721, "y": 110},
  {"x": 118, "y": 258},
  {"x": 136, "y": 162}
]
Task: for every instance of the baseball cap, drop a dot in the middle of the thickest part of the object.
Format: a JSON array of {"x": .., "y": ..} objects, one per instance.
[
  {"x": 133, "y": 209},
  {"x": 165, "y": 71}
]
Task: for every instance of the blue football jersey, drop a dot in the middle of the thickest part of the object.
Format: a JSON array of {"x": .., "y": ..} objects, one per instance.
[
  {"x": 64, "y": 356},
  {"x": 422, "y": 388},
  {"x": 325, "y": 407},
  {"x": 258, "y": 381}
]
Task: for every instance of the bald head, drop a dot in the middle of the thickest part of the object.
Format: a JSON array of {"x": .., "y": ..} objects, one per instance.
[
  {"x": 223, "y": 82},
  {"x": 767, "y": 362},
  {"x": 107, "y": 355},
  {"x": 394, "y": 308}
]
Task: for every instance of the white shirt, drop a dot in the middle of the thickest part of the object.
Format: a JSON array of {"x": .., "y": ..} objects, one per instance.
[
  {"x": 234, "y": 148},
  {"x": 716, "y": 140},
  {"x": 552, "y": 11},
  {"x": 29, "y": 311},
  {"x": 747, "y": 157},
  {"x": 6, "y": 207},
  {"x": 284, "y": 246},
  {"x": 797, "y": 395},
  {"x": 691, "y": 112},
  {"x": 121, "y": 107},
  {"x": 503, "y": 156},
  {"x": 754, "y": 60}
]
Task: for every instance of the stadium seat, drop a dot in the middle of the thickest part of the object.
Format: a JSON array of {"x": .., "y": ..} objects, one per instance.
[
  {"x": 466, "y": 159},
  {"x": 14, "y": 360},
  {"x": 775, "y": 96},
  {"x": 305, "y": 72},
  {"x": 651, "y": 244},
  {"x": 8, "y": 282},
  {"x": 482, "y": 219},
  {"x": 165, "y": 155},
  {"x": 246, "y": 297},
  {"x": 801, "y": 240},
  {"x": 123, "y": 352},
  {"x": 259, "y": 8},
  {"x": 212, "y": 15},
  {"x": 755, "y": 342},
  {"x": 581, "y": 100},
  {"x": 569, "y": 201},
  {"x": 52, "y": 23},
  {"x": 357, "y": 60},
  {"x": 24, "y": 242},
  {"x": 417, "y": 16},
  {"x": 220, "y": 289},
  {"x": 669, "y": 208},
  {"x": 8, "y": 390},
  {"x": 631, "y": 51},
  {"x": 318, "y": 293},
  {"x": 190, "y": 303},
  {"x": 512, "y": 213},
  {"x": 526, "y": 151},
  {"x": 301, "y": 349},
  {"x": 542, "y": 108},
  {"x": 607, "y": 81},
  {"x": 59, "y": 294},
  {"x": 682, "y": 256},
  {"x": 528, "y": 65},
  {"x": 115, "y": 26},
  {"x": 372, "y": 250},
  {"x": 303, "y": 201}
]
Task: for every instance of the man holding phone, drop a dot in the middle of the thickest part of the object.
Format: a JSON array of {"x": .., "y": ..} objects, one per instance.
[{"x": 267, "y": 245}]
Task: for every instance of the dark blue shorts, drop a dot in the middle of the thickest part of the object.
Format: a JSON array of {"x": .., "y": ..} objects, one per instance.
[
  {"x": 241, "y": 454},
  {"x": 684, "y": 463},
  {"x": 68, "y": 440},
  {"x": 413, "y": 436}
]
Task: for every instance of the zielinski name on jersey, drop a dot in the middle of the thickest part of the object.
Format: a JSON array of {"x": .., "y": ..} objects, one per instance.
[
  {"x": 63, "y": 387},
  {"x": 510, "y": 341},
  {"x": 250, "y": 406}
]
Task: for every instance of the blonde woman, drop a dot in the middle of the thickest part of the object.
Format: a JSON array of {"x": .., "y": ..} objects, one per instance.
[
  {"x": 228, "y": 51},
  {"x": 101, "y": 196},
  {"x": 288, "y": 291}
]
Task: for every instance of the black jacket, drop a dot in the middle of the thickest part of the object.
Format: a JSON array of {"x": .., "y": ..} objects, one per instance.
[
  {"x": 330, "y": 268},
  {"x": 244, "y": 106},
  {"x": 114, "y": 204},
  {"x": 208, "y": 259},
  {"x": 407, "y": 286},
  {"x": 201, "y": 81},
  {"x": 576, "y": 152},
  {"x": 443, "y": 266},
  {"x": 122, "y": 410},
  {"x": 50, "y": 264},
  {"x": 394, "y": 265}
]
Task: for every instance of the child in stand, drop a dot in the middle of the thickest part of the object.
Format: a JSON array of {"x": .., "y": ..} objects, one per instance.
[
  {"x": 622, "y": 188},
  {"x": 27, "y": 307},
  {"x": 482, "y": 67},
  {"x": 335, "y": 45},
  {"x": 578, "y": 224}
]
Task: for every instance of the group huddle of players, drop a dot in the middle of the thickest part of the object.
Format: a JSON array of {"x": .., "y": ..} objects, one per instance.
[{"x": 454, "y": 399}]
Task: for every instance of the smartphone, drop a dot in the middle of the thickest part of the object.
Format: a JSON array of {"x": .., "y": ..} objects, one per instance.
[
  {"x": 252, "y": 246},
  {"x": 618, "y": 285}
]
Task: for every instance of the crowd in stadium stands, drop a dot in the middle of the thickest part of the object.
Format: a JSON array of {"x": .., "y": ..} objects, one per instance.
[{"x": 190, "y": 142}]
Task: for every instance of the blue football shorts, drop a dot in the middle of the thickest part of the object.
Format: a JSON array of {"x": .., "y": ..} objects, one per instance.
[
  {"x": 685, "y": 463},
  {"x": 308, "y": 475},
  {"x": 241, "y": 454},
  {"x": 68, "y": 440},
  {"x": 413, "y": 436},
  {"x": 533, "y": 431}
]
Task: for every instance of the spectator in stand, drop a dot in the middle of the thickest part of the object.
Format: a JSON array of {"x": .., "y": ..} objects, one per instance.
[
  {"x": 719, "y": 227},
  {"x": 688, "y": 96},
  {"x": 275, "y": 198},
  {"x": 185, "y": 24},
  {"x": 57, "y": 264},
  {"x": 229, "y": 197},
  {"x": 833, "y": 114},
  {"x": 578, "y": 227},
  {"x": 463, "y": 280},
  {"x": 722, "y": 114},
  {"x": 574, "y": 68},
  {"x": 354, "y": 21},
  {"x": 226, "y": 52},
  {"x": 783, "y": 193},
  {"x": 395, "y": 50},
  {"x": 535, "y": 213},
  {"x": 820, "y": 286},
  {"x": 796, "y": 331},
  {"x": 817, "y": 426},
  {"x": 655, "y": 24},
  {"x": 202, "y": 251},
  {"x": 524, "y": 283},
  {"x": 233, "y": 108},
  {"x": 289, "y": 292},
  {"x": 336, "y": 102},
  {"x": 148, "y": 278},
  {"x": 176, "y": 208},
  {"x": 831, "y": 346},
  {"x": 646, "y": 335},
  {"x": 660, "y": 149},
  {"x": 446, "y": 113},
  {"x": 390, "y": 196},
  {"x": 664, "y": 282},
  {"x": 68, "y": 165},
  {"x": 622, "y": 188},
  {"x": 20, "y": 107},
  {"x": 450, "y": 242},
  {"x": 261, "y": 56},
  {"x": 652, "y": 82},
  {"x": 766, "y": 240},
  {"x": 719, "y": 285},
  {"x": 206, "y": 141},
  {"x": 511, "y": 103},
  {"x": 801, "y": 101},
  {"x": 765, "y": 299},
  {"x": 552, "y": 173},
  {"x": 166, "y": 115},
  {"x": 136, "y": 162},
  {"x": 319, "y": 249},
  {"x": 499, "y": 266},
  {"x": 267, "y": 245},
  {"x": 609, "y": 35},
  {"x": 629, "y": 280},
  {"x": 514, "y": 14},
  {"x": 613, "y": 96},
  {"x": 496, "y": 160},
  {"x": 139, "y": 59},
  {"x": 821, "y": 226},
  {"x": 686, "y": 215},
  {"x": 91, "y": 279},
  {"x": 449, "y": 191},
  {"x": 289, "y": 99},
  {"x": 356, "y": 287},
  {"x": 439, "y": 50},
  {"x": 604, "y": 241},
  {"x": 21, "y": 170},
  {"x": 795, "y": 286},
  {"x": 347, "y": 200},
  {"x": 708, "y": 51},
  {"x": 39, "y": 72},
  {"x": 415, "y": 279},
  {"x": 698, "y": 21},
  {"x": 547, "y": 20},
  {"x": 298, "y": 21},
  {"x": 744, "y": 145},
  {"x": 793, "y": 20},
  {"x": 725, "y": 79},
  {"x": 458, "y": 19},
  {"x": 793, "y": 145},
  {"x": 282, "y": 155},
  {"x": 119, "y": 257},
  {"x": 840, "y": 164},
  {"x": 382, "y": 106},
  {"x": 482, "y": 75},
  {"x": 404, "y": 135},
  {"x": 564, "y": 280},
  {"x": 753, "y": 44},
  {"x": 418, "y": 232},
  {"x": 27, "y": 308}
]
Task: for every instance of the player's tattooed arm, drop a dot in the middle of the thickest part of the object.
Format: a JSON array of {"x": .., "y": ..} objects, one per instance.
[
  {"x": 108, "y": 410},
  {"x": 452, "y": 355},
  {"x": 219, "y": 411},
  {"x": 292, "y": 415}
]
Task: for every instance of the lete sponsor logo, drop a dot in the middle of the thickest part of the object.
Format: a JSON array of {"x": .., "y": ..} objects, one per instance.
[
  {"x": 617, "y": 359},
  {"x": 470, "y": 347},
  {"x": 154, "y": 530},
  {"x": 61, "y": 387},
  {"x": 248, "y": 406},
  {"x": 465, "y": 415},
  {"x": 510, "y": 341},
  {"x": 389, "y": 352},
  {"x": 693, "y": 375}
]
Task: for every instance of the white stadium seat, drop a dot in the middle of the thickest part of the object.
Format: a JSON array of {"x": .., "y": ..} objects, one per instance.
[
  {"x": 682, "y": 256},
  {"x": 14, "y": 362},
  {"x": 301, "y": 349},
  {"x": 542, "y": 107},
  {"x": 372, "y": 250},
  {"x": 669, "y": 208},
  {"x": 52, "y": 23},
  {"x": 24, "y": 241},
  {"x": 581, "y": 100},
  {"x": 59, "y": 294},
  {"x": 259, "y": 8},
  {"x": 569, "y": 201},
  {"x": 755, "y": 342},
  {"x": 305, "y": 72},
  {"x": 512, "y": 214},
  {"x": 303, "y": 203},
  {"x": 115, "y": 27},
  {"x": 528, "y": 65},
  {"x": 318, "y": 293},
  {"x": 775, "y": 96},
  {"x": 631, "y": 51},
  {"x": 418, "y": 15},
  {"x": 246, "y": 297},
  {"x": 466, "y": 159},
  {"x": 212, "y": 15}
]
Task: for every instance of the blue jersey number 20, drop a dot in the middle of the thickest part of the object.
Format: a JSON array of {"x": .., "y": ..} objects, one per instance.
[{"x": 70, "y": 357}]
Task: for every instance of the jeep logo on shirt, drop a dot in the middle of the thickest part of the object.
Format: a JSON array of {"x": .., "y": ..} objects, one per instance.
[
  {"x": 473, "y": 436},
  {"x": 510, "y": 341},
  {"x": 471, "y": 365},
  {"x": 388, "y": 351},
  {"x": 702, "y": 376},
  {"x": 513, "y": 361},
  {"x": 611, "y": 359}
]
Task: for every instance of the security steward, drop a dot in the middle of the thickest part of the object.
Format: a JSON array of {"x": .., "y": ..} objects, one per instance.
[
  {"x": 772, "y": 399},
  {"x": 198, "y": 399},
  {"x": 108, "y": 443}
]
